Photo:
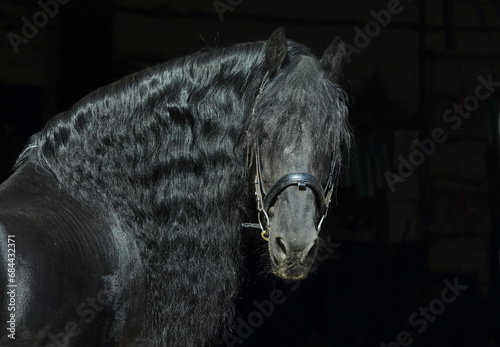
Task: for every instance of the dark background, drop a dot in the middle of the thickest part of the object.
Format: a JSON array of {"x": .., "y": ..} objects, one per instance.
[{"x": 394, "y": 249}]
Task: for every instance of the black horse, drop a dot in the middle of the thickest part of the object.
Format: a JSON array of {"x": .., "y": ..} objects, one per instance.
[{"x": 121, "y": 225}]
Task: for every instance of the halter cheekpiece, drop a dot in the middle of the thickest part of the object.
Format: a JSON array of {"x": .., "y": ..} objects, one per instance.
[{"x": 265, "y": 200}]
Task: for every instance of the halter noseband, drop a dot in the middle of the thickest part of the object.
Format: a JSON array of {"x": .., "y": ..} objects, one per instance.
[{"x": 301, "y": 180}]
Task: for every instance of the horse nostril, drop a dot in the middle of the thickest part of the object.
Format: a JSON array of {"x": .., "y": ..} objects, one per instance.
[
  {"x": 280, "y": 249},
  {"x": 311, "y": 254},
  {"x": 281, "y": 243}
]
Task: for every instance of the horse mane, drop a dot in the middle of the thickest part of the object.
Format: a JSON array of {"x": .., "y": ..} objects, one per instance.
[{"x": 164, "y": 151}]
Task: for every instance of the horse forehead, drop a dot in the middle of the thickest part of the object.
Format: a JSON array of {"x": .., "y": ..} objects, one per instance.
[
  {"x": 303, "y": 146},
  {"x": 297, "y": 156}
]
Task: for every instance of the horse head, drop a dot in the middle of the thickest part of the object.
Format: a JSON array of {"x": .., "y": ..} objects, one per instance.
[{"x": 297, "y": 150}]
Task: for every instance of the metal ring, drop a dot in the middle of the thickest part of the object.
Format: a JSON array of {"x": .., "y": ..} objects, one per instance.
[{"x": 265, "y": 235}]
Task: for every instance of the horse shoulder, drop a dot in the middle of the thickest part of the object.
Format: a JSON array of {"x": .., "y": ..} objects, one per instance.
[{"x": 64, "y": 266}]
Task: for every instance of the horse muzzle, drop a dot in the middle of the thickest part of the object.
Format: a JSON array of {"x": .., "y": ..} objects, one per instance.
[{"x": 290, "y": 259}]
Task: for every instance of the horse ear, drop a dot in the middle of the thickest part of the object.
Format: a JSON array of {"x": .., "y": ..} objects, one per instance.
[
  {"x": 276, "y": 50},
  {"x": 333, "y": 59}
]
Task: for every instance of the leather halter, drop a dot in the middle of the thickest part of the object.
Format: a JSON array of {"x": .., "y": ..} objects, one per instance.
[{"x": 302, "y": 180}]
